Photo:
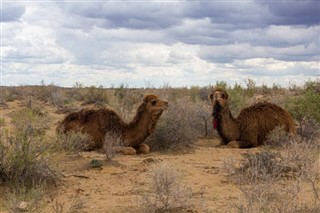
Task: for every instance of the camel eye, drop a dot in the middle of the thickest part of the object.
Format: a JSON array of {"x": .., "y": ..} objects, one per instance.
[
  {"x": 223, "y": 96},
  {"x": 211, "y": 96},
  {"x": 153, "y": 102}
]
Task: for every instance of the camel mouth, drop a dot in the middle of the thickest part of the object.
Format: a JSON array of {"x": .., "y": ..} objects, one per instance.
[
  {"x": 216, "y": 109},
  {"x": 164, "y": 107}
]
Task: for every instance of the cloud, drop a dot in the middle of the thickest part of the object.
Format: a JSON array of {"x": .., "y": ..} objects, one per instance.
[
  {"x": 181, "y": 43},
  {"x": 294, "y": 12},
  {"x": 11, "y": 12}
]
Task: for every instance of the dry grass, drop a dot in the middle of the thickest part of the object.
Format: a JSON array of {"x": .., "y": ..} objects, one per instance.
[
  {"x": 178, "y": 128},
  {"x": 110, "y": 145},
  {"x": 272, "y": 179},
  {"x": 166, "y": 192}
]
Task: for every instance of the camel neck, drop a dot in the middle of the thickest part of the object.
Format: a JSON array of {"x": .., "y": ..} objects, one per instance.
[
  {"x": 138, "y": 129},
  {"x": 228, "y": 127}
]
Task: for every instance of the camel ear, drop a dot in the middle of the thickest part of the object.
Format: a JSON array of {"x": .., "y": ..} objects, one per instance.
[
  {"x": 145, "y": 99},
  {"x": 227, "y": 96}
]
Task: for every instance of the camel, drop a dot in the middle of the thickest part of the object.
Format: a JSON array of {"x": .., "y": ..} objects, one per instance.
[
  {"x": 98, "y": 122},
  {"x": 251, "y": 126}
]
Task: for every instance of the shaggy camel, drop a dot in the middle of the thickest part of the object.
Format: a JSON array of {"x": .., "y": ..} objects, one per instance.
[
  {"x": 251, "y": 126},
  {"x": 97, "y": 123}
]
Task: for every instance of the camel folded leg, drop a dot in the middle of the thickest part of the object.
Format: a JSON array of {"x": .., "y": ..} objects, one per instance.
[
  {"x": 125, "y": 150},
  {"x": 239, "y": 144},
  {"x": 143, "y": 148}
]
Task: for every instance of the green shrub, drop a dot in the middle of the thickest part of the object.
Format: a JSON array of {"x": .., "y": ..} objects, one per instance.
[
  {"x": 95, "y": 95},
  {"x": 307, "y": 104},
  {"x": 30, "y": 121},
  {"x": 24, "y": 159}
]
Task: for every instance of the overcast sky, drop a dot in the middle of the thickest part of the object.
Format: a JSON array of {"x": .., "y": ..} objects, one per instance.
[{"x": 141, "y": 43}]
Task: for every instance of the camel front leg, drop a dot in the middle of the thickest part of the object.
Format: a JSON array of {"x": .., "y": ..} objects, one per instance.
[{"x": 143, "y": 148}]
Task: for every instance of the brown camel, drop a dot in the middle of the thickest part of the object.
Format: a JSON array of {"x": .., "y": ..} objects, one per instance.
[
  {"x": 96, "y": 123},
  {"x": 251, "y": 126}
]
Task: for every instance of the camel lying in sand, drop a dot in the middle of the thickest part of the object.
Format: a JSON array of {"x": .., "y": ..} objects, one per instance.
[
  {"x": 251, "y": 126},
  {"x": 97, "y": 123}
]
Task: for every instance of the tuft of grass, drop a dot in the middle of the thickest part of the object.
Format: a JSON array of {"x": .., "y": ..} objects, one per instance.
[
  {"x": 2, "y": 122},
  {"x": 22, "y": 199},
  {"x": 25, "y": 159},
  {"x": 166, "y": 192},
  {"x": 261, "y": 175},
  {"x": 30, "y": 121},
  {"x": 278, "y": 137},
  {"x": 110, "y": 145},
  {"x": 73, "y": 142}
]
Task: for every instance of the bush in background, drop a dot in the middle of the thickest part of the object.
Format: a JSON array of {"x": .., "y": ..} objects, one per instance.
[
  {"x": 178, "y": 128},
  {"x": 307, "y": 104}
]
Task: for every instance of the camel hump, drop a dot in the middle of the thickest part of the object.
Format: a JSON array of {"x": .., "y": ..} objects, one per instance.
[{"x": 264, "y": 107}]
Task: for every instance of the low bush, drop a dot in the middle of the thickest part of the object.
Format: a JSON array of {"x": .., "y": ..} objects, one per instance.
[
  {"x": 307, "y": 104},
  {"x": 25, "y": 160},
  {"x": 72, "y": 142},
  {"x": 166, "y": 193},
  {"x": 30, "y": 121},
  {"x": 110, "y": 145},
  {"x": 178, "y": 128}
]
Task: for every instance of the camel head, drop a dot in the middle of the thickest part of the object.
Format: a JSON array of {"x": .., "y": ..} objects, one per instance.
[
  {"x": 155, "y": 106},
  {"x": 219, "y": 101}
]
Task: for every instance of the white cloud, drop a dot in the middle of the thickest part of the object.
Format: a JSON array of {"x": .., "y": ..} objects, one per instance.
[{"x": 180, "y": 43}]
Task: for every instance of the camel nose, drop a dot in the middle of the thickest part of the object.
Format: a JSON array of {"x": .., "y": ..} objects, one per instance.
[{"x": 165, "y": 104}]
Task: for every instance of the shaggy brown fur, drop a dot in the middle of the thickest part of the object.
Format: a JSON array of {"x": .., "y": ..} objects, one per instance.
[
  {"x": 253, "y": 123},
  {"x": 96, "y": 123}
]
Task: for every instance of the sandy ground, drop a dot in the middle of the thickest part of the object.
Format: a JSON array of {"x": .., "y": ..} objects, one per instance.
[{"x": 118, "y": 186}]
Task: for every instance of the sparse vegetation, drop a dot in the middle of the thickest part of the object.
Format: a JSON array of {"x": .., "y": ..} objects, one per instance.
[
  {"x": 283, "y": 176},
  {"x": 307, "y": 104},
  {"x": 294, "y": 163}
]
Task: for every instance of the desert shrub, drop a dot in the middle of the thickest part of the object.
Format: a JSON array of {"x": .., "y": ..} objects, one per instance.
[
  {"x": 178, "y": 128},
  {"x": 309, "y": 128},
  {"x": 166, "y": 193},
  {"x": 307, "y": 104},
  {"x": 202, "y": 112},
  {"x": 22, "y": 199},
  {"x": 221, "y": 85},
  {"x": 251, "y": 87},
  {"x": 72, "y": 142},
  {"x": 260, "y": 175},
  {"x": 237, "y": 100},
  {"x": 44, "y": 92},
  {"x": 12, "y": 93},
  {"x": 25, "y": 160},
  {"x": 268, "y": 197},
  {"x": 126, "y": 101},
  {"x": 30, "y": 121},
  {"x": 110, "y": 145},
  {"x": 277, "y": 137},
  {"x": 2, "y": 121},
  {"x": 95, "y": 95},
  {"x": 203, "y": 93},
  {"x": 259, "y": 167},
  {"x": 76, "y": 204}
]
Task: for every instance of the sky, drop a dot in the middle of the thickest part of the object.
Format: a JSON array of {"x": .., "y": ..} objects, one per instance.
[{"x": 154, "y": 43}]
